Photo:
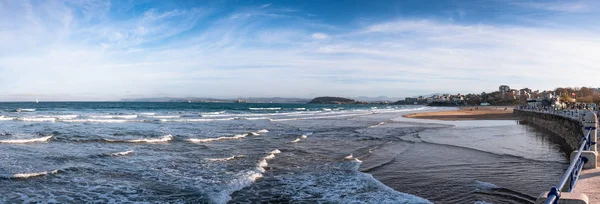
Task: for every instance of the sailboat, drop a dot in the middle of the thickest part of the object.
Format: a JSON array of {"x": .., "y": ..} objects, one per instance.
[{"x": 36, "y": 100}]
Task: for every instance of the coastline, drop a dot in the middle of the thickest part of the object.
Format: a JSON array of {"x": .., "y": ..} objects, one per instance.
[{"x": 469, "y": 113}]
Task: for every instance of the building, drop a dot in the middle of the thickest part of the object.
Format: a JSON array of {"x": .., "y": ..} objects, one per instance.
[{"x": 504, "y": 88}]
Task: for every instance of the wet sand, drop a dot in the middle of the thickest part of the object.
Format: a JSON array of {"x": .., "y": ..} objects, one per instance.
[{"x": 469, "y": 113}]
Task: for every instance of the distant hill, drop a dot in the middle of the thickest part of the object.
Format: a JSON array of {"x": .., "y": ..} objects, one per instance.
[{"x": 334, "y": 100}]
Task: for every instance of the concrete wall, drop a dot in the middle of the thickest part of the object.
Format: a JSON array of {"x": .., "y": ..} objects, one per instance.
[{"x": 567, "y": 128}]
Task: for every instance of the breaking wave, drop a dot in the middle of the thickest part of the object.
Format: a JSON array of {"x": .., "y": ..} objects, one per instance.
[
  {"x": 30, "y": 175},
  {"x": 22, "y": 141},
  {"x": 165, "y": 138},
  {"x": 226, "y": 158},
  {"x": 120, "y": 153},
  {"x": 264, "y": 108},
  {"x": 114, "y": 116}
]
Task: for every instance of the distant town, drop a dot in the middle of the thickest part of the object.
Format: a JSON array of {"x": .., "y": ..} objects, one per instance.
[{"x": 559, "y": 98}]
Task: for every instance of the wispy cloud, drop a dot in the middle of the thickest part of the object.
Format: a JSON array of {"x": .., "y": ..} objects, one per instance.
[
  {"x": 55, "y": 50},
  {"x": 561, "y": 6}
]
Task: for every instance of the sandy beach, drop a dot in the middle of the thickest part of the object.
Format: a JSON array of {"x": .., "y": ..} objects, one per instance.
[{"x": 469, "y": 113}]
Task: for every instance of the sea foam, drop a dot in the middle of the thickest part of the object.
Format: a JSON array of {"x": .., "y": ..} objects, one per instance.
[
  {"x": 23, "y": 141},
  {"x": 165, "y": 138}
]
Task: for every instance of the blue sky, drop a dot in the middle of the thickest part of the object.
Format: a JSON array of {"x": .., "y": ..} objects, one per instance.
[{"x": 108, "y": 50}]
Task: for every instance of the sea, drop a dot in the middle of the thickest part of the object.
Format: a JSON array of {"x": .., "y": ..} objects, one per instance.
[{"x": 143, "y": 152}]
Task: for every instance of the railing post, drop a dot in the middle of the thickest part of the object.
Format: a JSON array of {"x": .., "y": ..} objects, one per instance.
[{"x": 590, "y": 121}]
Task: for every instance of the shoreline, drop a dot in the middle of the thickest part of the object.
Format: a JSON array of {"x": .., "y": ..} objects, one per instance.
[{"x": 469, "y": 113}]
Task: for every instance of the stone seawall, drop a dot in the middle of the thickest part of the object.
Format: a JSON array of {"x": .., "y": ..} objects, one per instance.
[{"x": 567, "y": 128}]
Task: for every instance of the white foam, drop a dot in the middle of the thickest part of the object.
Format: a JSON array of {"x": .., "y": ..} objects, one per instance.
[
  {"x": 263, "y": 131},
  {"x": 296, "y": 140},
  {"x": 147, "y": 113},
  {"x": 196, "y": 120},
  {"x": 349, "y": 157},
  {"x": 265, "y": 108},
  {"x": 320, "y": 117},
  {"x": 377, "y": 125},
  {"x": 235, "y": 137},
  {"x": 6, "y": 118},
  {"x": 303, "y": 137},
  {"x": 120, "y": 153},
  {"x": 35, "y": 174},
  {"x": 99, "y": 121},
  {"x": 37, "y": 119},
  {"x": 326, "y": 109},
  {"x": 245, "y": 180},
  {"x": 114, "y": 116},
  {"x": 270, "y": 156},
  {"x": 253, "y": 134},
  {"x": 165, "y": 138},
  {"x": 276, "y": 151},
  {"x": 257, "y": 118},
  {"x": 25, "y": 110},
  {"x": 163, "y": 116},
  {"x": 300, "y": 109},
  {"x": 226, "y": 158},
  {"x": 485, "y": 185},
  {"x": 22, "y": 141},
  {"x": 62, "y": 117},
  {"x": 212, "y": 113}
]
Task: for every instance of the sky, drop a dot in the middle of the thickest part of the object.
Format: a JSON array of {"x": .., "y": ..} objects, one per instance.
[{"x": 109, "y": 50}]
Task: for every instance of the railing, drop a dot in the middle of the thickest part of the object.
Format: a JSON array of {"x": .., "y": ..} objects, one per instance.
[{"x": 572, "y": 173}]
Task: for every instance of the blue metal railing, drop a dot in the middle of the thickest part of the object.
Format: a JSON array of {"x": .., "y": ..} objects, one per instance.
[{"x": 573, "y": 171}]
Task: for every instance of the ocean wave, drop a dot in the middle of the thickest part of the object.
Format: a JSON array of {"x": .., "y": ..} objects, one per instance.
[
  {"x": 258, "y": 118},
  {"x": 274, "y": 108},
  {"x": 100, "y": 121},
  {"x": 197, "y": 120},
  {"x": 342, "y": 184},
  {"x": 23, "y": 141},
  {"x": 114, "y": 116},
  {"x": 377, "y": 125},
  {"x": 33, "y": 174},
  {"x": 163, "y": 116},
  {"x": 165, "y": 138},
  {"x": 37, "y": 119},
  {"x": 295, "y": 140},
  {"x": 320, "y": 117},
  {"x": 6, "y": 118},
  {"x": 263, "y": 162},
  {"x": 235, "y": 137},
  {"x": 212, "y": 113},
  {"x": 485, "y": 185},
  {"x": 25, "y": 110},
  {"x": 300, "y": 109},
  {"x": 226, "y": 158},
  {"x": 243, "y": 181},
  {"x": 150, "y": 113},
  {"x": 120, "y": 153}
]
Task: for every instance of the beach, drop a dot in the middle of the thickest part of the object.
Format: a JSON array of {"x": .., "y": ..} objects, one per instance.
[{"x": 469, "y": 113}]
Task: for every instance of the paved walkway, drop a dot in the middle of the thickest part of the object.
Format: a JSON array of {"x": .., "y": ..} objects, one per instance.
[{"x": 589, "y": 184}]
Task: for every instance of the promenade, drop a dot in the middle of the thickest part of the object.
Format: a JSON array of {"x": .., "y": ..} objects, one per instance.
[{"x": 578, "y": 127}]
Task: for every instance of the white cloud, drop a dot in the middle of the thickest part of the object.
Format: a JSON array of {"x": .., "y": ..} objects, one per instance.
[
  {"x": 148, "y": 55},
  {"x": 319, "y": 36},
  {"x": 566, "y": 6}
]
